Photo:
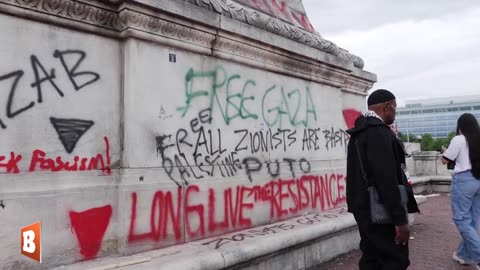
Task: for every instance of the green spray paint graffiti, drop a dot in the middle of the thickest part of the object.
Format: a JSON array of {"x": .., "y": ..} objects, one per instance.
[
  {"x": 290, "y": 106},
  {"x": 233, "y": 97},
  {"x": 234, "y": 101}
]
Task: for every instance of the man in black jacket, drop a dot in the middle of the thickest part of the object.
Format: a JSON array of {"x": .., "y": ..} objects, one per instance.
[{"x": 384, "y": 247}]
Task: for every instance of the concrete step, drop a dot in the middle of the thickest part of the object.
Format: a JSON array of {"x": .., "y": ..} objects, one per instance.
[{"x": 298, "y": 243}]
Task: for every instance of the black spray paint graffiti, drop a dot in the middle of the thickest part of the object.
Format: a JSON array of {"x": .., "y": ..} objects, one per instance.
[
  {"x": 265, "y": 141},
  {"x": 163, "y": 115},
  {"x": 70, "y": 130},
  {"x": 251, "y": 234},
  {"x": 70, "y": 61},
  {"x": 278, "y": 228},
  {"x": 336, "y": 137},
  {"x": 200, "y": 152},
  {"x": 254, "y": 165}
]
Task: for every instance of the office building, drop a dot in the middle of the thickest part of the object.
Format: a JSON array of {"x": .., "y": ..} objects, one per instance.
[{"x": 437, "y": 117}]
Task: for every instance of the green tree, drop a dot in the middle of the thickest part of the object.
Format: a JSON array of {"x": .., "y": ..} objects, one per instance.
[
  {"x": 427, "y": 143},
  {"x": 438, "y": 143},
  {"x": 407, "y": 138},
  {"x": 450, "y": 136}
]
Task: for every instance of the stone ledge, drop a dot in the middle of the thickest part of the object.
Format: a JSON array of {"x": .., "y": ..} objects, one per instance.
[
  {"x": 435, "y": 183},
  {"x": 242, "y": 247},
  {"x": 429, "y": 179}
]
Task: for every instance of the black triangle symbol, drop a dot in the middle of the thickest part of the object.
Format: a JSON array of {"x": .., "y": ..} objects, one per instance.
[{"x": 70, "y": 130}]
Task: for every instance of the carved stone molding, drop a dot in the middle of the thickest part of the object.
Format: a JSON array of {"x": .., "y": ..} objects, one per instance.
[
  {"x": 113, "y": 20},
  {"x": 294, "y": 65},
  {"x": 73, "y": 10},
  {"x": 146, "y": 23},
  {"x": 114, "y": 2},
  {"x": 264, "y": 21},
  {"x": 127, "y": 20},
  {"x": 357, "y": 85}
]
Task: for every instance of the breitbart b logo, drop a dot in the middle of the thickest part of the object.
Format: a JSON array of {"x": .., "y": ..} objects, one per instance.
[{"x": 30, "y": 241}]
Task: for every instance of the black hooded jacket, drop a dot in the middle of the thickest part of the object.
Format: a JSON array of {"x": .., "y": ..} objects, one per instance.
[{"x": 382, "y": 156}]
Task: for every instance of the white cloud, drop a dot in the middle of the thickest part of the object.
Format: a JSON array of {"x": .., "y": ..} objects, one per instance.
[
  {"x": 333, "y": 16},
  {"x": 445, "y": 80},
  {"x": 416, "y": 57}
]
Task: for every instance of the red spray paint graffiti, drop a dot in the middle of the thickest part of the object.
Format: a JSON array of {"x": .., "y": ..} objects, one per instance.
[
  {"x": 285, "y": 198},
  {"x": 350, "y": 115},
  {"x": 281, "y": 9},
  {"x": 303, "y": 21},
  {"x": 163, "y": 204},
  {"x": 41, "y": 162},
  {"x": 12, "y": 164},
  {"x": 89, "y": 227},
  {"x": 307, "y": 192}
]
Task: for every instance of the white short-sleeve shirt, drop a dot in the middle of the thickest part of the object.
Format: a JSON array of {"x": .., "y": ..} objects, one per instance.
[{"x": 458, "y": 151}]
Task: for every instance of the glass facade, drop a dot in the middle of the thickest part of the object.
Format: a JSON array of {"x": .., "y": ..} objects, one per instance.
[{"x": 437, "y": 118}]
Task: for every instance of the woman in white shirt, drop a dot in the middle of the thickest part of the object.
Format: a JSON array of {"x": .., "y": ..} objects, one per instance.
[{"x": 464, "y": 150}]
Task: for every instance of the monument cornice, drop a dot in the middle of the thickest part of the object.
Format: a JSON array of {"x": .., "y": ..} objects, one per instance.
[{"x": 151, "y": 20}]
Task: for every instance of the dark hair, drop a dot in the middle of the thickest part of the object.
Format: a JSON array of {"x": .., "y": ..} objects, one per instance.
[{"x": 468, "y": 125}]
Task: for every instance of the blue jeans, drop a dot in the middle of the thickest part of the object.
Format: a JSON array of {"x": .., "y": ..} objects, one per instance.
[{"x": 466, "y": 214}]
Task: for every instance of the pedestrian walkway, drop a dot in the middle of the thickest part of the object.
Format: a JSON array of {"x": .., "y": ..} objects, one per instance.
[{"x": 435, "y": 237}]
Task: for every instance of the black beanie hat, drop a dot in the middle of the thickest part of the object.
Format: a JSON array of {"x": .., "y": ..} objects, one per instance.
[{"x": 380, "y": 96}]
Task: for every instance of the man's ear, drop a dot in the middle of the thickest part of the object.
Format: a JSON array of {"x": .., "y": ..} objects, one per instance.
[
  {"x": 388, "y": 105},
  {"x": 385, "y": 106}
]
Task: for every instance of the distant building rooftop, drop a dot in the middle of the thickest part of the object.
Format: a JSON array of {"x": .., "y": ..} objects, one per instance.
[
  {"x": 435, "y": 116},
  {"x": 441, "y": 101}
]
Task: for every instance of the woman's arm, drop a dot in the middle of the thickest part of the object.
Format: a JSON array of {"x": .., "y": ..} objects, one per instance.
[{"x": 444, "y": 159}]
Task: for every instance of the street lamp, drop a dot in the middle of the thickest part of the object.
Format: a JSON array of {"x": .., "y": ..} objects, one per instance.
[{"x": 408, "y": 133}]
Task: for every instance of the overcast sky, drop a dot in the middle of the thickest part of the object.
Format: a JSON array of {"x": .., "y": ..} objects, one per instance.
[{"x": 418, "y": 49}]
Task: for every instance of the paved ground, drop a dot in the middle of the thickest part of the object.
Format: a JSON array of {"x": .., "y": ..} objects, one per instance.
[{"x": 435, "y": 239}]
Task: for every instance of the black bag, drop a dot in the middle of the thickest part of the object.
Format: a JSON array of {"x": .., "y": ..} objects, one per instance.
[
  {"x": 378, "y": 212},
  {"x": 451, "y": 165}
]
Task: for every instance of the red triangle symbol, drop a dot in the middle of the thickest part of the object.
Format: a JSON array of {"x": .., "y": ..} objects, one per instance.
[
  {"x": 89, "y": 227},
  {"x": 350, "y": 115}
]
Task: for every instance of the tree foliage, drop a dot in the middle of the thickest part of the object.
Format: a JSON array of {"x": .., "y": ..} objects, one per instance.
[
  {"x": 427, "y": 142},
  {"x": 408, "y": 138}
]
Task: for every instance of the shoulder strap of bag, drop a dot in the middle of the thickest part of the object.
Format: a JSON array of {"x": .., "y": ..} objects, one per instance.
[
  {"x": 362, "y": 169},
  {"x": 403, "y": 167}
]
